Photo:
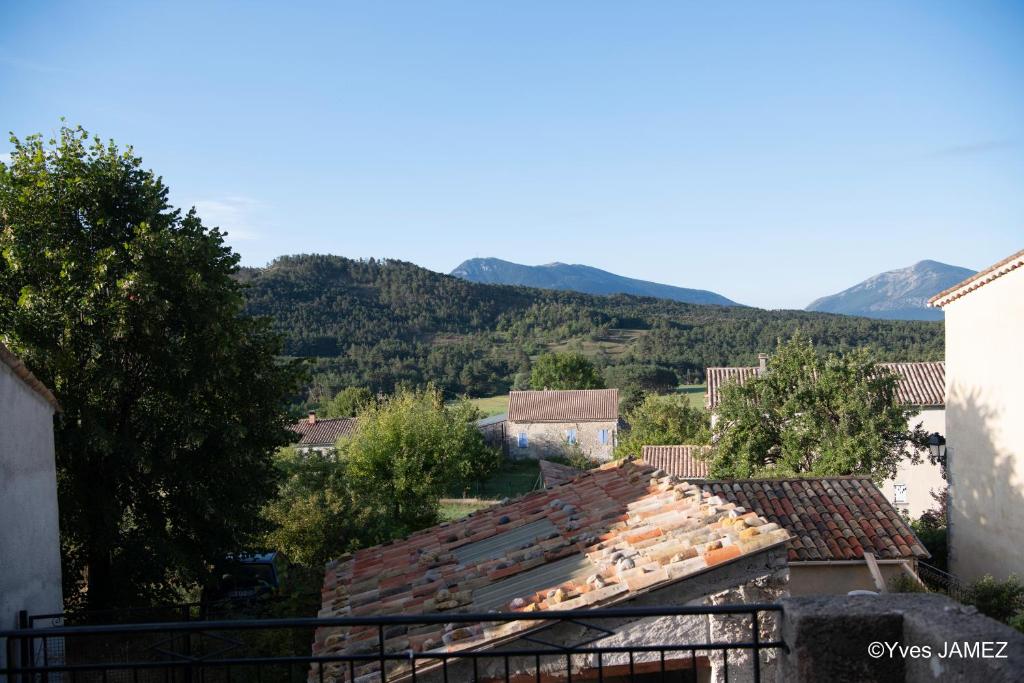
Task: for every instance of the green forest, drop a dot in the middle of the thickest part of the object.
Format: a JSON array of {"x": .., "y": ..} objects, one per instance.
[{"x": 381, "y": 324}]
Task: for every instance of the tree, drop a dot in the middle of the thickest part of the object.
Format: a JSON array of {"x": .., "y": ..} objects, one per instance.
[
  {"x": 812, "y": 414},
  {"x": 313, "y": 517},
  {"x": 348, "y": 402},
  {"x": 407, "y": 451},
  {"x": 663, "y": 421},
  {"x": 173, "y": 401},
  {"x": 565, "y": 371}
]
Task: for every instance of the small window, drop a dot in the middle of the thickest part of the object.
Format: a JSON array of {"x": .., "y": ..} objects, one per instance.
[
  {"x": 570, "y": 436},
  {"x": 900, "y": 494},
  {"x": 523, "y": 441},
  {"x": 603, "y": 437}
]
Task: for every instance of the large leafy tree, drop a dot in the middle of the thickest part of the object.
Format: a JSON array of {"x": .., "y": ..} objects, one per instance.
[
  {"x": 663, "y": 421},
  {"x": 173, "y": 401},
  {"x": 565, "y": 371},
  {"x": 813, "y": 414},
  {"x": 407, "y": 452},
  {"x": 348, "y": 402}
]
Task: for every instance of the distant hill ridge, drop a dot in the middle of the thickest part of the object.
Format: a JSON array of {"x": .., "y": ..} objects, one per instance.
[
  {"x": 900, "y": 294},
  {"x": 384, "y": 323},
  {"x": 578, "y": 278}
]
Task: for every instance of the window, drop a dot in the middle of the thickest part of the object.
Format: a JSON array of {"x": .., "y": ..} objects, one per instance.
[
  {"x": 603, "y": 437},
  {"x": 570, "y": 436},
  {"x": 900, "y": 494},
  {"x": 522, "y": 440}
]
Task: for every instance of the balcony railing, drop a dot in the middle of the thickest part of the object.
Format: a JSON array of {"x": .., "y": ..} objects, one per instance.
[{"x": 614, "y": 644}]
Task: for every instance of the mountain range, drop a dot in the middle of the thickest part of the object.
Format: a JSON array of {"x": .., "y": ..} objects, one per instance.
[
  {"x": 900, "y": 294},
  {"x": 384, "y": 323},
  {"x": 578, "y": 278}
]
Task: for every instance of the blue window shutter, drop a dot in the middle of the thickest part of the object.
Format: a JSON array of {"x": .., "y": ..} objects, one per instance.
[
  {"x": 522, "y": 439},
  {"x": 604, "y": 437}
]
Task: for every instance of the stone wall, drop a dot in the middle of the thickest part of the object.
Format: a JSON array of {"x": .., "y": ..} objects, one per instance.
[
  {"x": 548, "y": 439},
  {"x": 829, "y": 640}
]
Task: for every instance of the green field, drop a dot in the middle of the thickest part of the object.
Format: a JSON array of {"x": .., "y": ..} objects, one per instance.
[
  {"x": 694, "y": 392},
  {"x": 451, "y": 510},
  {"x": 492, "y": 405}
]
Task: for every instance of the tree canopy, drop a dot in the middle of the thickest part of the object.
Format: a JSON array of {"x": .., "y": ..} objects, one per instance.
[
  {"x": 407, "y": 451},
  {"x": 815, "y": 414},
  {"x": 173, "y": 400},
  {"x": 565, "y": 371},
  {"x": 348, "y": 402},
  {"x": 662, "y": 421}
]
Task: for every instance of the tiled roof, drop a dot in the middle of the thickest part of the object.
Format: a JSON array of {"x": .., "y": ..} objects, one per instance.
[
  {"x": 575, "y": 405},
  {"x": 977, "y": 280},
  {"x": 718, "y": 377},
  {"x": 834, "y": 518},
  {"x": 555, "y": 474},
  {"x": 920, "y": 384},
  {"x": 608, "y": 535},
  {"x": 682, "y": 461},
  {"x": 22, "y": 372},
  {"x": 323, "y": 432}
]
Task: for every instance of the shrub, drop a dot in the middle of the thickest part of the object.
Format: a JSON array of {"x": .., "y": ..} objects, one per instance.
[{"x": 1001, "y": 600}]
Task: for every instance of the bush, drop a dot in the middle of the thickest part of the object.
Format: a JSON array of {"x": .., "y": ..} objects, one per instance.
[
  {"x": 1001, "y": 600},
  {"x": 902, "y": 583}
]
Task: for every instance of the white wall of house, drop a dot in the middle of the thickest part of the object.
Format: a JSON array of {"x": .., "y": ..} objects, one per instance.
[
  {"x": 839, "y": 578},
  {"x": 985, "y": 421},
  {"x": 910, "y": 490},
  {"x": 548, "y": 439},
  {"x": 30, "y": 570}
]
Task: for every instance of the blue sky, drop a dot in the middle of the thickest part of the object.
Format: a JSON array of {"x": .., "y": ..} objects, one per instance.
[{"x": 772, "y": 152}]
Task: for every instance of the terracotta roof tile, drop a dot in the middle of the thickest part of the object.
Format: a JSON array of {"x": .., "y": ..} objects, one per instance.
[
  {"x": 576, "y": 405},
  {"x": 833, "y": 518},
  {"x": 919, "y": 384},
  {"x": 22, "y": 372},
  {"x": 996, "y": 270},
  {"x": 618, "y": 530},
  {"x": 682, "y": 461},
  {"x": 322, "y": 433},
  {"x": 555, "y": 474}
]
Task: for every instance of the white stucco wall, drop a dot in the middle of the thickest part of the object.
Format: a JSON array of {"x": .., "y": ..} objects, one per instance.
[
  {"x": 921, "y": 479},
  {"x": 30, "y": 577},
  {"x": 985, "y": 422}
]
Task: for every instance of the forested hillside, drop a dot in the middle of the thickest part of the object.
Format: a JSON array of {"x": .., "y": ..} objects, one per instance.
[{"x": 383, "y": 323}]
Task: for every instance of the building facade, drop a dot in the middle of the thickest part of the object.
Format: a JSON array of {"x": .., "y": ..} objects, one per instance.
[
  {"x": 30, "y": 568},
  {"x": 544, "y": 424},
  {"x": 985, "y": 420}
]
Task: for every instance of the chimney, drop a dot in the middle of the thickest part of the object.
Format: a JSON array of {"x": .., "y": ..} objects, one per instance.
[
  {"x": 762, "y": 361},
  {"x": 312, "y": 417}
]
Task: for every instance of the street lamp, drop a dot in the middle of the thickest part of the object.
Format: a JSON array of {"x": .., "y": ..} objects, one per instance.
[{"x": 937, "y": 447}]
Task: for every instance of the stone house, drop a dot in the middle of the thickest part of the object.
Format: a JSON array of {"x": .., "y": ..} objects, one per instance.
[
  {"x": 542, "y": 424},
  {"x": 318, "y": 434},
  {"x": 985, "y": 418},
  {"x": 921, "y": 385},
  {"x": 623, "y": 534},
  {"x": 30, "y": 566}
]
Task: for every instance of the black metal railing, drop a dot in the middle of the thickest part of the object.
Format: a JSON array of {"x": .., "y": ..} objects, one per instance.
[
  {"x": 604, "y": 645},
  {"x": 941, "y": 581}
]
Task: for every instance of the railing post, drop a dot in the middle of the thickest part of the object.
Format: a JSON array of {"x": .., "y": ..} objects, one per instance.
[{"x": 26, "y": 645}]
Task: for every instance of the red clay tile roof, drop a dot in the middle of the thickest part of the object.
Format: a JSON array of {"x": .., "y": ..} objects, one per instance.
[
  {"x": 575, "y": 405},
  {"x": 920, "y": 384},
  {"x": 682, "y": 461},
  {"x": 833, "y": 518},
  {"x": 555, "y": 474},
  {"x": 718, "y": 377},
  {"x": 22, "y": 372},
  {"x": 606, "y": 536},
  {"x": 977, "y": 280},
  {"x": 323, "y": 433}
]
